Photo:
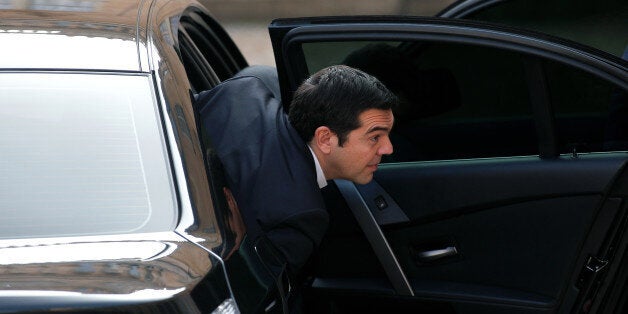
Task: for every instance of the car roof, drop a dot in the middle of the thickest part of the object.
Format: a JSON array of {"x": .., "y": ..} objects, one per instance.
[
  {"x": 602, "y": 26},
  {"x": 100, "y": 35}
]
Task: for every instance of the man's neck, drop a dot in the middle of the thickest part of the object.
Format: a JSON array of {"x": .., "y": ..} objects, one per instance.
[{"x": 320, "y": 175}]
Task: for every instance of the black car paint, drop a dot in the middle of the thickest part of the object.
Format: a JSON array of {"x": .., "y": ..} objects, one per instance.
[
  {"x": 164, "y": 271},
  {"x": 182, "y": 270}
]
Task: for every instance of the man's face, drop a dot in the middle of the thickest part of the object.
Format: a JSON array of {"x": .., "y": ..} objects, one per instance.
[{"x": 357, "y": 158}]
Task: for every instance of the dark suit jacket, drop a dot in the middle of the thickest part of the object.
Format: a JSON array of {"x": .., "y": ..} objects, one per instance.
[{"x": 269, "y": 168}]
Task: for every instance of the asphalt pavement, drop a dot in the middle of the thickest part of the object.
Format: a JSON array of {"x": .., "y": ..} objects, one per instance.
[{"x": 253, "y": 40}]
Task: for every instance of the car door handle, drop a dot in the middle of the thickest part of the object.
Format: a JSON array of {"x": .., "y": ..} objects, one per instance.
[{"x": 433, "y": 255}]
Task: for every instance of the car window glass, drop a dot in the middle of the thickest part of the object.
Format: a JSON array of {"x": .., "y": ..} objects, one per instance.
[
  {"x": 603, "y": 25},
  {"x": 82, "y": 154},
  {"x": 458, "y": 101},
  {"x": 591, "y": 115}
]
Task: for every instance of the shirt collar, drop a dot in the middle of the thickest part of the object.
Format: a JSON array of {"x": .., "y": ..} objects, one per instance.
[{"x": 320, "y": 176}]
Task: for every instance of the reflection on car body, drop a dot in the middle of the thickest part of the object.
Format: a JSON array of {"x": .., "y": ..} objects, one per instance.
[{"x": 506, "y": 192}]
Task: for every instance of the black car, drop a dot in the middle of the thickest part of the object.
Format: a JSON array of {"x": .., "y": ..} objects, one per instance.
[{"x": 506, "y": 192}]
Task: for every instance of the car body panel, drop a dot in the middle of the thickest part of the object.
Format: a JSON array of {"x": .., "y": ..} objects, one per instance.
[
  {"x": 576, "y": 20},
  {"x": 98, "y": 271},
  {"x": 99, "y": 36}
]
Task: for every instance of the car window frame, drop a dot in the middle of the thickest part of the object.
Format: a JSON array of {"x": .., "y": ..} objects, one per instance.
[{"x": 208, "y": 45}]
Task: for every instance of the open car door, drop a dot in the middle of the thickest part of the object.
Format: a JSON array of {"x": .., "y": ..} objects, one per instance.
[{"x": 507, "y": 189}]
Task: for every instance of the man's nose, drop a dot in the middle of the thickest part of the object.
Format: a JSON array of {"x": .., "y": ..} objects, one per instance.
[{"x": 386, "y": 148}]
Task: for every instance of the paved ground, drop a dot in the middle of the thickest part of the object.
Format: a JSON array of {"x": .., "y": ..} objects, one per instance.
[
  {"x": 253, "y": 41},
  {"x": 247, "y": 20}
]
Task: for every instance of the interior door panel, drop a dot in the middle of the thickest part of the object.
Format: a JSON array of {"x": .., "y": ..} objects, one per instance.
[
  {"x": 518, "y": 226},
  {"x": 445, "y": 188}
]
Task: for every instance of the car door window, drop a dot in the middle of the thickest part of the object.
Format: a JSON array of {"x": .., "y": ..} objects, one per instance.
[
  {"x": 591, "y": 114},
  {"x": 79, "y": 159},
  {"x": 461, "y": 101},
  {"x": 457, "y": 100}
]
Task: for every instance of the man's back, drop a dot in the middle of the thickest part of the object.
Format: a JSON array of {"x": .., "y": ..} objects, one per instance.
[{"x": 268, "y": 166}]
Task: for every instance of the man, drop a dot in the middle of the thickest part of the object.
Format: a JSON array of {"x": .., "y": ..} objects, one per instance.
[
  {"x": 338, "y": 128},
  {"x": 344, "y": 115}
]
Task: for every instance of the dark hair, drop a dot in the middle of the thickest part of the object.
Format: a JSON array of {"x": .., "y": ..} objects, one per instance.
[
  {"x": 422, "y": 92},
  {"x": 335, "y": 97}
]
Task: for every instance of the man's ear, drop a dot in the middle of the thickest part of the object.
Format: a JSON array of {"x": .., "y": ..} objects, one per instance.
[{"x": 323, "y": 139}]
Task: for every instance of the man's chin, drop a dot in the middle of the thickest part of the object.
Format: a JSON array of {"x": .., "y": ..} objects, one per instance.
[{"x": 364, "y": 180}]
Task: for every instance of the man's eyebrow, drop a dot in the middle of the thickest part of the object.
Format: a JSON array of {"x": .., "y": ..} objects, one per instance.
[{"x": 378, "y": 128}]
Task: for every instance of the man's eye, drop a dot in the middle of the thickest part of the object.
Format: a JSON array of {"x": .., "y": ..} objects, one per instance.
[{"x": 375, "y": 138}]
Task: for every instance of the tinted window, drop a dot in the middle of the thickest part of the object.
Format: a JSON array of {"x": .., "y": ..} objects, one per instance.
[
  {"x": 591, "y": 114},
  {"x": 81, "y": 155},
  {"x": 458, "y": 101}
]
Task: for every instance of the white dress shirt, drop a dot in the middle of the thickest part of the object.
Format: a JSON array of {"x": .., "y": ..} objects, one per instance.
[{"x": 320, "y": 176}]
